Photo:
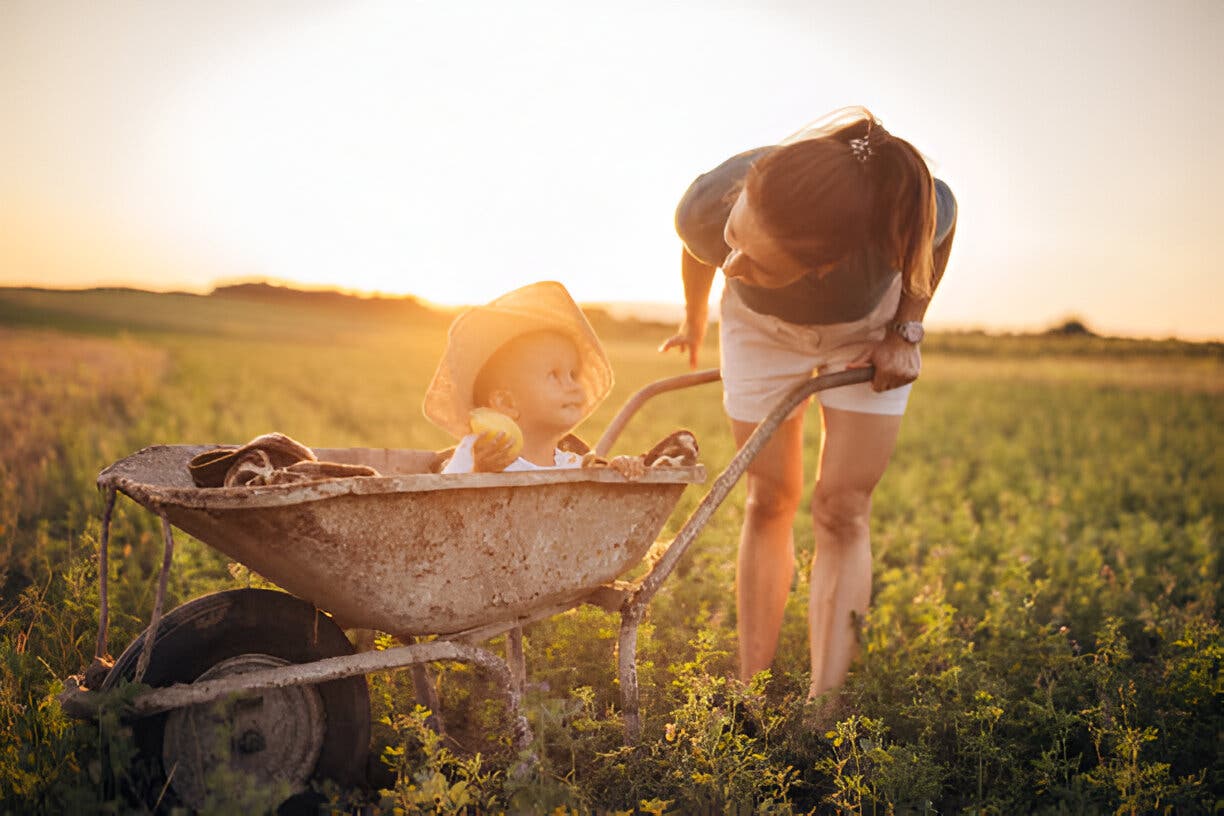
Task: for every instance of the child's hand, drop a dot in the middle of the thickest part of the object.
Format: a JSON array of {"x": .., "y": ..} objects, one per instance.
[
  {"x": 492, "y": 452},
  {"x": 631, "y": 467}
]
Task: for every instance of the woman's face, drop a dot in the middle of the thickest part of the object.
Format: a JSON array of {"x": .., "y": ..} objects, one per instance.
[{"x": 755, "y": 257}]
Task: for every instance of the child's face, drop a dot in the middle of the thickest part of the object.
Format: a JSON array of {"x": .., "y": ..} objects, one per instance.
[{"x": 541, "y": 374}]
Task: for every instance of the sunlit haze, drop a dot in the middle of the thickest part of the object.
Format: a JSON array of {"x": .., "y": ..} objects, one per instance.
[{"x": 455, "y": 150}]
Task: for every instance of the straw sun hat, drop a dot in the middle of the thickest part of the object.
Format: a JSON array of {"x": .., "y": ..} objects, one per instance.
[{"x": 479, "y": 332}]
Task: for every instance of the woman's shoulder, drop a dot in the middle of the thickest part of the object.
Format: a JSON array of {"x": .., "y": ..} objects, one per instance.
[
  {"x": 735, "y": 167},
  {"x": 704, "y": 207},
  {"x": 714, "y": 185},
  {"x": 945, "y": 211}
]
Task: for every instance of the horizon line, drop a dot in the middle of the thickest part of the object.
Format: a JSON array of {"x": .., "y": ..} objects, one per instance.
[{"x": 651, "y": 311}]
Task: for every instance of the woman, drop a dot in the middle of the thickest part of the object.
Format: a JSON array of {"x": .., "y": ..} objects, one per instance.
[{"x": 832, "y": 244}]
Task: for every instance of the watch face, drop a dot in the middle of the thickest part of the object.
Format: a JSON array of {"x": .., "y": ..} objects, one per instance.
[{"x": 910, "y": 331}]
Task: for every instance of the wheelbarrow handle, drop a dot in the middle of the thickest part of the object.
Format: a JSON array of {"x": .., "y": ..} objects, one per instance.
[
  {"x": 709, "y": 375},
  {"x": 633, "y": 609},
  {"x": 735, "y": 468},
  {"x": 634, "y": 403}
]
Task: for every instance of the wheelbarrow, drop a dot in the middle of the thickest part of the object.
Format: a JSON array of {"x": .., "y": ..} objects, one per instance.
[{"x": 458, "y": 558}]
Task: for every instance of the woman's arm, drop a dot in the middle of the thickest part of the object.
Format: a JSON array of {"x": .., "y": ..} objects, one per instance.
[
  {"x": 698, "y": 279},
  {"x": 897, "y": 361},
  {"x": 914, "y": 308}
]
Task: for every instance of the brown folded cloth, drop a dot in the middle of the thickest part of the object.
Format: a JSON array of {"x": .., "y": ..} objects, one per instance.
[
  {"x": 210, "y": 468},
  {"x": 271, "y": 458},
  {"x": 255, "y": 468}
]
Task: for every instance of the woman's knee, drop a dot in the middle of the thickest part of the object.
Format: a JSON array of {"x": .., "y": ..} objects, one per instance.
[
  {"x": 775, "y": 476},
  {"x": 771, "y": 498},
  {"x": 841, "y": 511}
]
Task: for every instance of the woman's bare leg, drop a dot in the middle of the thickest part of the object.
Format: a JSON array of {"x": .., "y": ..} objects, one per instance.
[
  {"x": 766, "y": 562},
  {"x": 854, "y": 451}
]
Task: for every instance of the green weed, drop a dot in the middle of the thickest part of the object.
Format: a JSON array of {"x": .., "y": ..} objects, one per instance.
[{"x": 1044, "y": 634}]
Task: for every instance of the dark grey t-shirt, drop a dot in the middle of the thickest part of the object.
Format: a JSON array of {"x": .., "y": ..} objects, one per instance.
[{"x": 848, "y": 292}]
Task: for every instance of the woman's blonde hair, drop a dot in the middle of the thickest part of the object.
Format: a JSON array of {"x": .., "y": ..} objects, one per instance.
[{"x": 843, "y": 184}]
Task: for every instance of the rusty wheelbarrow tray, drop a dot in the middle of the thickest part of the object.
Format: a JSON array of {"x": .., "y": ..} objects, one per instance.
[
  {"x": 460, "y": 557},
  {"x": 413, "y": 552}
]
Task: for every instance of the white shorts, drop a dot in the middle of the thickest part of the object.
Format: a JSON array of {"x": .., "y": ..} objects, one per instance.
[{"x": 763, "y": 357}]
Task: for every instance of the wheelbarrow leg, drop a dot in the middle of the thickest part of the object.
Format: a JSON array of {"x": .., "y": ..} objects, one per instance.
[
  {"x": 427, "y": 695},
  {"x": 627, "y": 659},
  {"x": 516, "y": 660},
  {"x": 517, "y": 663},
  {"x": 508, "y": 676}
]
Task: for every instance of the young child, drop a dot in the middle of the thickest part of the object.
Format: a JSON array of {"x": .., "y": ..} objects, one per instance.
[{"x": 532, "y": 356}]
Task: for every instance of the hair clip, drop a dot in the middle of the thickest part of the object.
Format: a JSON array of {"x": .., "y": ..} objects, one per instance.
[{"x": 860, "y": 148}]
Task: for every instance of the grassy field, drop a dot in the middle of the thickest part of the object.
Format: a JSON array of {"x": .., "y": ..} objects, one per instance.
[{"x": 1044, "y": 636}]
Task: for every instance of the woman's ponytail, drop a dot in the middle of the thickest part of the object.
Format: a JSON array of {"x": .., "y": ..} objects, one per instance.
[{"x": 904, "y": 196}]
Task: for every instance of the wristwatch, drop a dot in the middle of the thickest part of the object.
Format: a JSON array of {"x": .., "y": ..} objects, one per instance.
[{"x": 909, "y": 330}]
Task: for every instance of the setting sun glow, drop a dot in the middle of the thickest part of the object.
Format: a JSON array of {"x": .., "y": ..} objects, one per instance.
[{"x": 455, "y": 151}]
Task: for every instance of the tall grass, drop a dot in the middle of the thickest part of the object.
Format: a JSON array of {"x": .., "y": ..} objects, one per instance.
[{"x": 1044, "y": 634}]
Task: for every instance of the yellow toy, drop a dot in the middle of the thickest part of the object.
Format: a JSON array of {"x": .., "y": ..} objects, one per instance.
[{"x": 489, "y": 423}]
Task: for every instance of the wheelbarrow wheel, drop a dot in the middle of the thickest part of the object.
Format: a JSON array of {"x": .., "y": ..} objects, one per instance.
[{"x": 281, "y": 738}]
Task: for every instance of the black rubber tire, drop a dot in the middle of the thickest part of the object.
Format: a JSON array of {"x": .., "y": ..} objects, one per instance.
[{"x": 203, "y": 632}]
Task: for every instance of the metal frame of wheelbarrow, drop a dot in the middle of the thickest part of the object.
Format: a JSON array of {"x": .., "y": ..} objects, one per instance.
[
  {"x": 630, "y": 600},
  {"x": 633, "y": 607}
]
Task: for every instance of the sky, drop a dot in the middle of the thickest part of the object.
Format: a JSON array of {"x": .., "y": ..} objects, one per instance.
[{"x": 456, "y": 149}]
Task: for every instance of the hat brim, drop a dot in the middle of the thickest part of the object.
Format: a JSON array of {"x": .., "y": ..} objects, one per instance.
[{"x": 479, "y": 332}]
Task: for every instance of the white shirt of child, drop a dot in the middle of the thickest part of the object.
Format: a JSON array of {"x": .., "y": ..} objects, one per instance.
[{"x": 461, "y": 461}]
